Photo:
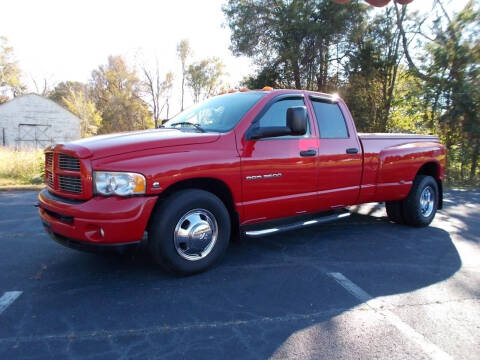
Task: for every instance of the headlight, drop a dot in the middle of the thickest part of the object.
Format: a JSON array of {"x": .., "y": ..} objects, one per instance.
[{"x": 119, "y": 183}]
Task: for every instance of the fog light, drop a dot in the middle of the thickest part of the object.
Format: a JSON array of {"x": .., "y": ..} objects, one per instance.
[{"x": 102, "y": 233}]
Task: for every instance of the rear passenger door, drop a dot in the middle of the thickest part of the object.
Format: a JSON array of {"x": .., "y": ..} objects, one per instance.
[{"x": 340, "y": 155}]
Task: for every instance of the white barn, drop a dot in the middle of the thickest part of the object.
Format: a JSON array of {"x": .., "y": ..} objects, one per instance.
[{"x": 35, "y": 122}]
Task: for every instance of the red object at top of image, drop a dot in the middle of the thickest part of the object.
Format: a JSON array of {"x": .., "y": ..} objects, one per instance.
[{"x": 378, "y": 3}]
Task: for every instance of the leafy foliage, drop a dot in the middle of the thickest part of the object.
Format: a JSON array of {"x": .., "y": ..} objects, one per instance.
[
  {"x": 10, "y": 73},
  {"x": 450, "y": 93},
  {"x": 371, "y": 71},
  {"x": 63, "y": 89},
  {"x": 79, "y": 104},
  {"x": 294, "y": 43},
  {"x": 116, "y": 91},
  {"x": 204, "y": 78},
  {"x": 184, "y": 52}
]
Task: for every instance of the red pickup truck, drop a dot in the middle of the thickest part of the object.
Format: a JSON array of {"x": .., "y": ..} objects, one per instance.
[{"x": 252, "y": 163}]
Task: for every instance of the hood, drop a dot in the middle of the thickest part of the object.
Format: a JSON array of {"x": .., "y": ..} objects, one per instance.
[{"x": 115, "y": 144}]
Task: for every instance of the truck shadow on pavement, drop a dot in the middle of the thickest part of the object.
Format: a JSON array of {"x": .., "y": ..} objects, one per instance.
[{"x": 270, "y": 297}]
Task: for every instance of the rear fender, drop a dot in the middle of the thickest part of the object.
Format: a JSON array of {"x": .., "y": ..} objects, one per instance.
[{"x": 400, "y": 164}]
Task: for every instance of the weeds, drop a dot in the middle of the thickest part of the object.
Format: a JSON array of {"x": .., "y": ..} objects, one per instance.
[{"x": 21, "y": 166}]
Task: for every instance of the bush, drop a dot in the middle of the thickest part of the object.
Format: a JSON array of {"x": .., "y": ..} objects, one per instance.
[{"x": 22, "y": 166}]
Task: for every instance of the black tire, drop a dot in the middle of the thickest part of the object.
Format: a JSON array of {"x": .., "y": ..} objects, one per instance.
[
  {"x": 395, "y": 211},
  {"x": 412, "y": 209},
  {"x": 164, "y": 222}
]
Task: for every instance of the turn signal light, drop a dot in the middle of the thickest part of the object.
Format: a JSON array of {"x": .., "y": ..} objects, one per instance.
[
  {"x": 139, "y": 185},
  {"x": 267, "y": 88}
]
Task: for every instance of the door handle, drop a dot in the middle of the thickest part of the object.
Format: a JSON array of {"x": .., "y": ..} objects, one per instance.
[
  {"x": 311, "y": 152},
  {"x": 352, "y": 151}
]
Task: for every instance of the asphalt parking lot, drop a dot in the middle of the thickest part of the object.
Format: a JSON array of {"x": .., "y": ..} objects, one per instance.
[{"x": 360, "y": 288}]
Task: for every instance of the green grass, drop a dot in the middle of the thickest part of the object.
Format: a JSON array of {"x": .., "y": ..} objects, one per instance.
[{"x": 21, "y": 167}]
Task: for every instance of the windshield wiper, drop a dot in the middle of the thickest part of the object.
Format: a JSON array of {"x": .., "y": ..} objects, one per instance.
[{"x": 196, "y": 126}]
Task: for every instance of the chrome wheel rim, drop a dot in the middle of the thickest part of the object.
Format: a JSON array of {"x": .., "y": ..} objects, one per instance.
[
  {"x": 195, "y": 234},
  {"x": 427, "y": 201}
]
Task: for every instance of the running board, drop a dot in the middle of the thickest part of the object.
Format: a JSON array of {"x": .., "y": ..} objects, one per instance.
[{"x": 296, "y": 225}]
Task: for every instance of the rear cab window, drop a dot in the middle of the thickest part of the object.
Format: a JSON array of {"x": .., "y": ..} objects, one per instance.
[{"x": 330, "y": 119}]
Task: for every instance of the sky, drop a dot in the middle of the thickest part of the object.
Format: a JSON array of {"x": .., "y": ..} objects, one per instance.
[{"x": 65, "y": 40}]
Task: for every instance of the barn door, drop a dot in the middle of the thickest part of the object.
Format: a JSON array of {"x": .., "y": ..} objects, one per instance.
[{"x": 34, "y": 135}]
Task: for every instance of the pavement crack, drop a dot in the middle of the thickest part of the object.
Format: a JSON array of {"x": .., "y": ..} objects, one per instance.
[
  {"x": 38, "y": 275},
  {"x": 106, "y": 334},
  {"x": 399, "y": 306}
]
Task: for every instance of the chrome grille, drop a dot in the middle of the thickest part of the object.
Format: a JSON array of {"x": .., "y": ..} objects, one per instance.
[
  {"x": 67, "y": 162},
  {"x": 71, "y": 184},
  {"x": 48, "y": 160},
  {"x": 63, "y": 174},
  {"x": 48, "y": 169},
  {"x": 49, "y": 178}
]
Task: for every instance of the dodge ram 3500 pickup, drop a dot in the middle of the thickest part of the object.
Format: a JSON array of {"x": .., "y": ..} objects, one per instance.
[{"x": 250, "y": 163}]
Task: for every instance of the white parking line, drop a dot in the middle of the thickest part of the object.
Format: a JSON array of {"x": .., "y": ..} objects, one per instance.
[
  {"x": 430, "y": 349},
  {"x": 7, "y": 299}
]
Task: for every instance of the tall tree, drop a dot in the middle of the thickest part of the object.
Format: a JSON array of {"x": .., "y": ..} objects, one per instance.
[
  {"x": 43, "y": 86},
  {"x": 371, "y": 70},
  {"x": 116, "y": 91},
  {"x": 157, "y": 89},
  {"x": 77, "y": 102},
  {"x": 204, "y": 78},
  {"x": 62, "y": 90},
  {"x": 10, "y": 73},
  {"x": 448, "y": 68},
  {"x": 301, "y": 42},
  {"x": 184, "y": 52},
  {"x": 167, "y": 87}
]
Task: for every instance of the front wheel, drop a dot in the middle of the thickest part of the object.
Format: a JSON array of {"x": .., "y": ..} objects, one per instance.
[
  {"x": 420, "y": 206},
  {"x": 189, "y": 232}
]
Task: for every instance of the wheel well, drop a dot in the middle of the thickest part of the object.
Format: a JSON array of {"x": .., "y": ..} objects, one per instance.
[
  {"x": 432, "y": 169},
  {"x": 215, "y": 186}
]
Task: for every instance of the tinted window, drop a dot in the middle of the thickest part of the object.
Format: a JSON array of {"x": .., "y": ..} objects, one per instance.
[
  {"x": 330, "y": 120},
  {"x": 220, "y": 113},
  {"x": 276, "y": 114}
]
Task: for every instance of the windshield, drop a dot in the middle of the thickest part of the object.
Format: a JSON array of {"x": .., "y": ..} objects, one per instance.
[{"x": 217, "y": 114}]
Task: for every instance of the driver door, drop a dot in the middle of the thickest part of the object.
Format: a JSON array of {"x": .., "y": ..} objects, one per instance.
[{"x": 279, "y": 175}]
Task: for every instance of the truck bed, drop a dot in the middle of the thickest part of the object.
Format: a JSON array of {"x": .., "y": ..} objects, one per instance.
[{"x": 391, "y": 161}]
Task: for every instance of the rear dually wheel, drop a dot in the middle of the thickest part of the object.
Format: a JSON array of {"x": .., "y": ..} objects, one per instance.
[{"x": 420, "y": 206}]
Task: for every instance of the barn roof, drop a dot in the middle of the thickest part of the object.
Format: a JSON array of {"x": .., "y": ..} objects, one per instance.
[{"x": 39, "y": 96}]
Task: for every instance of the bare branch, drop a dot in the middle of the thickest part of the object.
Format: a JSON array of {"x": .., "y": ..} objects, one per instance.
[
  {"x": 444, "y": 12},
  {"x": 405, "y": 43}
]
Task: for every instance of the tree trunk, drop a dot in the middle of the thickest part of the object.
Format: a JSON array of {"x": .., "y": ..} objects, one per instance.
[
  {"x": 296, "y": 74},
  {"x": 183, "y": 88},
  {"x": 320, "y": 73},
  {"x": 325, "y": 69},
  {"x": 475, "y": 155}
]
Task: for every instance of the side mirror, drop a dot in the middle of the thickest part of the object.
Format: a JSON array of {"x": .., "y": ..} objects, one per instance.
[
  {"x": 162, "y": 122},
  {"x": 296, "y": 125},
  {"x": 256, "y": 133},
  {"x": 297, "y": 120}
]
